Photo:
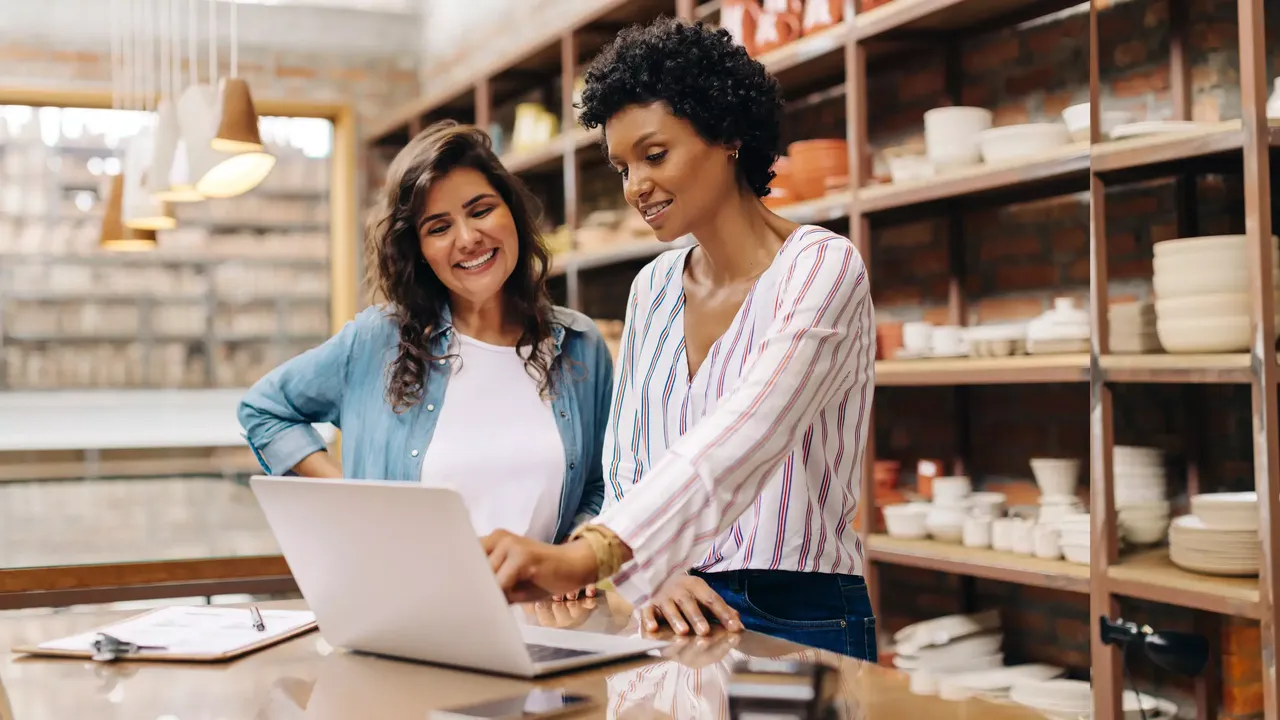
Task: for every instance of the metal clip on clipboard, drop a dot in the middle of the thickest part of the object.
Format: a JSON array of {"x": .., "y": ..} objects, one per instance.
[{"x": 108, "y": 648}]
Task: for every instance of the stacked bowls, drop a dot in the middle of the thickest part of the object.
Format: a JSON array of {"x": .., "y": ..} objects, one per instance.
[
  {"x": 1219, "y": 537},
  {"x": 812, "y": 163},
  {"x": 1140, "y": 488},
  {"x": 1202, "y": 290}
]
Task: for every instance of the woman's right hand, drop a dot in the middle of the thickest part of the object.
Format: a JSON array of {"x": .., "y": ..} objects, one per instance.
[{"x": 680, "y": 602}]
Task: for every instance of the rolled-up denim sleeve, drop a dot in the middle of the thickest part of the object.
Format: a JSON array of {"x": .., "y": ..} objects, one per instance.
[{"x": 278, "y": 411}]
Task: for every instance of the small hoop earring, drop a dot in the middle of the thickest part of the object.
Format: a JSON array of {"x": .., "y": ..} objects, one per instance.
[{"x": 733, "y": 155}]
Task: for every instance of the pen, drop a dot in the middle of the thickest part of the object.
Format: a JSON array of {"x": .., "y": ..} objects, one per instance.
[{"x": 257, "y": 619}]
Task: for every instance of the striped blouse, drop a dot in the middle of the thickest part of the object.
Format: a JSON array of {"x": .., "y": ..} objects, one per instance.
[{"x": 754, "y": 461}]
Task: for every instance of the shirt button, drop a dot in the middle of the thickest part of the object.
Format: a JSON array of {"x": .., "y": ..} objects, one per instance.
[
  {"x": 431, "y": 408},
  {"x": 572, "y": 465},
  {"x": 441, "y": 361},
  {"x": 414, "y": 453},
  {"x": 564, "y": 414}
]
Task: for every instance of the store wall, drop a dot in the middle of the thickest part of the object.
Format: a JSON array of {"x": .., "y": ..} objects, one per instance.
[{"x": 329, "y": 54}]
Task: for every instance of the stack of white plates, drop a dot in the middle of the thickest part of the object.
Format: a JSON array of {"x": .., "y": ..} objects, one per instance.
[
  {"x": 1139, "y": 488},
  {"x": 1202, "y": 291},
  {"x": 1070, "y": 699},
  {"x": 1073, "y": 536},
  {"x": 1220, "y": 537},
  {"x": 1133, "y": 328}
]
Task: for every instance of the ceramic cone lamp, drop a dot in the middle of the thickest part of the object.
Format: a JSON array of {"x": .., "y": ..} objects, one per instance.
[
  {"x": 167, "y": 179},
  {"x": 140, "y": 210},
  {"x": 198, "y": 119},
  {"x": 115, "y": 236},
  {"x": 237, "y": 119},
  {"x": 225, "y": 173}
]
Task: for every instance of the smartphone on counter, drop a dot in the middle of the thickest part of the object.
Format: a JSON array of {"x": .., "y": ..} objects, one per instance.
[{"x": 535, "y": 704}]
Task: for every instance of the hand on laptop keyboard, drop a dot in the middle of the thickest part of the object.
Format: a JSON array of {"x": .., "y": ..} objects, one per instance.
[{"x": 529, "y": 570}]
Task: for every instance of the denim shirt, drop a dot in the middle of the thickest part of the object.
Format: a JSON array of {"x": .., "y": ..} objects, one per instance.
[{"x": 344, "y": 382}]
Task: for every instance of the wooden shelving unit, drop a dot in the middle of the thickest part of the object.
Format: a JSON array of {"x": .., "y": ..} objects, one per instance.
[
  {"x": 981, "y": 563},
  {"x": 1236, "y": 146},
  {"x": 835, "y": 62}
]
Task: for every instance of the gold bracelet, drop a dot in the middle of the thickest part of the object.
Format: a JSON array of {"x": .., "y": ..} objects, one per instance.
[{"x": 606, "y": 545}]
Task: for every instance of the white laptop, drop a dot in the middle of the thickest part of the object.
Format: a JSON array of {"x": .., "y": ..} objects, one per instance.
[{"x": 396, "y": 569}]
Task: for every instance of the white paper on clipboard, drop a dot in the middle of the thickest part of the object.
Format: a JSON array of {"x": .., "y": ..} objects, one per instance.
[{"x": 192, "y": 630}]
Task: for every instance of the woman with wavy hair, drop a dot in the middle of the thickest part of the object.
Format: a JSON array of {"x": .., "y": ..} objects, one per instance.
[
  {"x": 745, "y": 374},
  {"x": 465, "y": 375}
]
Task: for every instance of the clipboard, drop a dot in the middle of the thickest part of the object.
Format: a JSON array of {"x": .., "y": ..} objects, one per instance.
[{"x": 197, "y": 633}]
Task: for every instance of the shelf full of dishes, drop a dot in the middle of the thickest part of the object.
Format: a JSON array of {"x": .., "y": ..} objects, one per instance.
[
  {"x": 1217, "y": 537},
  {"x": 1063, "y": 329}
]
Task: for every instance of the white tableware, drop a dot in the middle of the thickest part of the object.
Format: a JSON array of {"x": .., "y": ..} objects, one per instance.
[
  {"x": 951, "y": 489},
  {"x": 906, "y": 520},
  {"x": 1002, "y": 532},
  {"x": 951, "y": 135},
  {"x": 977, "y": 532},
  {"x": 916, "y": 337},
  {"x": 947, "y": 341},
  {"x": 945, "y": 523},
  {"x": 1019, "y": 142},
  {"x": 1056, "y": 476},
  {"x": 1024, "y": 538},
  {"x": 1045, "y": 540}
]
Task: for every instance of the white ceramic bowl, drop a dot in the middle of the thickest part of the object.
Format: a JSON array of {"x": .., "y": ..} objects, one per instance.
[
  {"x": 1056, "y": 476},
  {"x": 909, "y": 168},
  {"x": 951, "y": 135},
  {"x": 906, "y": 520},
  {"x": 1017, "y": 142},
  {"x": 1076, "y": 118},
  {"x": 1078, "y": 554},
  {"x": 951, "y": 488},
  {"x": 1204, "y": 335}
]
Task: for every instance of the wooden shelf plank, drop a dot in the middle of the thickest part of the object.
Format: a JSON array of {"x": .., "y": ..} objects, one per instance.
[
  {"x": 579, "y": 260},
  {"x": 831, "y": 206},
  {"x": 935, "y": 16},
  {"x": 1161, "y": 152},
  {"x": 982, "y": 563},
  {"x": 1024, "y": 178},
  {"x": 1209, "y": 368},
  {"x": 549, "y": 157},
  {"x": 1017, "y": 370},
  {"x": 1150, "y": 575},
  {"x": 806, "y": 49}
]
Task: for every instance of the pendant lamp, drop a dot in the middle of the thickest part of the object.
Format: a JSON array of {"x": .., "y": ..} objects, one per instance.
[
  {"x": 140, "y": 210},
  {"x": 168, "y": 179},
  {"x": 232, "y": 131},
  {"x": 115, "y": 235}
]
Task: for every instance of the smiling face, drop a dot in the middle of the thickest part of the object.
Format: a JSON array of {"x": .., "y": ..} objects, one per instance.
[
  {"x": 468, "y": 236},
  {"x": 674, "y": 177}
]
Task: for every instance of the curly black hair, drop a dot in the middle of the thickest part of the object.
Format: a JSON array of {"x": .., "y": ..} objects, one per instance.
[{"x": 703, "y": 76}]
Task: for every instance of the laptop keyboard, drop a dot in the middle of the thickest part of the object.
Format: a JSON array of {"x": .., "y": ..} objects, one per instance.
[{"x": 546, "y": 653}]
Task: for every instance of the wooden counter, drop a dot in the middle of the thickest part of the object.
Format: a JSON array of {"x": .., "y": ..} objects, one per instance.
[{"x": 306, "y": 678}]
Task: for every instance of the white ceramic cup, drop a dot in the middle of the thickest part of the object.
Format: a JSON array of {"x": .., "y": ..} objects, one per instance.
[
  {"x": 977, "y": 532},
  {"x": 916, "y": 337}
]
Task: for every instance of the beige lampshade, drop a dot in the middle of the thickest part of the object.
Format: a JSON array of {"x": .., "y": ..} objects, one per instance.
[
  {"x": 237, "y": 119},
  {"x": 115, "y": 235},
  {"x": 139, "y": 209},
  {"x": 217, "y": 173}
]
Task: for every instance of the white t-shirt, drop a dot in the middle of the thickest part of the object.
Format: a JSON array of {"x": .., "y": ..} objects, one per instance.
[{"x": 496, "y": 443}]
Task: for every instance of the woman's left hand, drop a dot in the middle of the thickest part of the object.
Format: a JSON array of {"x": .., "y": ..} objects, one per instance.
[
  {"x": 530, "y": 570},
  {"x": 587, "y": 592}
]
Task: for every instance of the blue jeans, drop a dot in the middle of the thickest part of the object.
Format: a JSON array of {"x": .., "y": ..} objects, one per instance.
[{"x": 821, "y": 610}]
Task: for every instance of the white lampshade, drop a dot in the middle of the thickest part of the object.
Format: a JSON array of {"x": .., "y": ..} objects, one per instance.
[
  {"x": 168, "y": 177},
  {"x": 217, "y": 174},
  {"x": 141, "y": 211}
]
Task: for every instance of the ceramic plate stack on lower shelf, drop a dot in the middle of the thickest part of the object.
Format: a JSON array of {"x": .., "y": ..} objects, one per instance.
[
  {"x": 1219, "y": 537},
  {"x": 1061, "y": 699},
  {"x": 1133, "y": 328},
  {"x": 1140, "y": 487},
  {"x": 1202, "y": 289}
]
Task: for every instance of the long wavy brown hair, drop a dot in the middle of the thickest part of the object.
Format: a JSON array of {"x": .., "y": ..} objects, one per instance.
[{"x": 415, "y": 297}]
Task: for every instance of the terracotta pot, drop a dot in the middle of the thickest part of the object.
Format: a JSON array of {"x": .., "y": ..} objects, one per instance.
[
  {"x": 813, "y": 161},
  {"x": 739, "y": 17},
  {"x": 886, "y": 474},
  {"x": 888, "y": 340},
  {"x": 819, "y": 14},
  {"x": 775, "y": 29}
]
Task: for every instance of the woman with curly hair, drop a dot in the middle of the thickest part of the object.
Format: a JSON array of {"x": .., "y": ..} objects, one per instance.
[
  {"x": 467, "y": 376},
  {"x": 745, "y": 375}
]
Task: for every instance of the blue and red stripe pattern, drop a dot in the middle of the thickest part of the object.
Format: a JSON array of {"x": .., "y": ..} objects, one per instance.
[{"x": 753, "y": 462}]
